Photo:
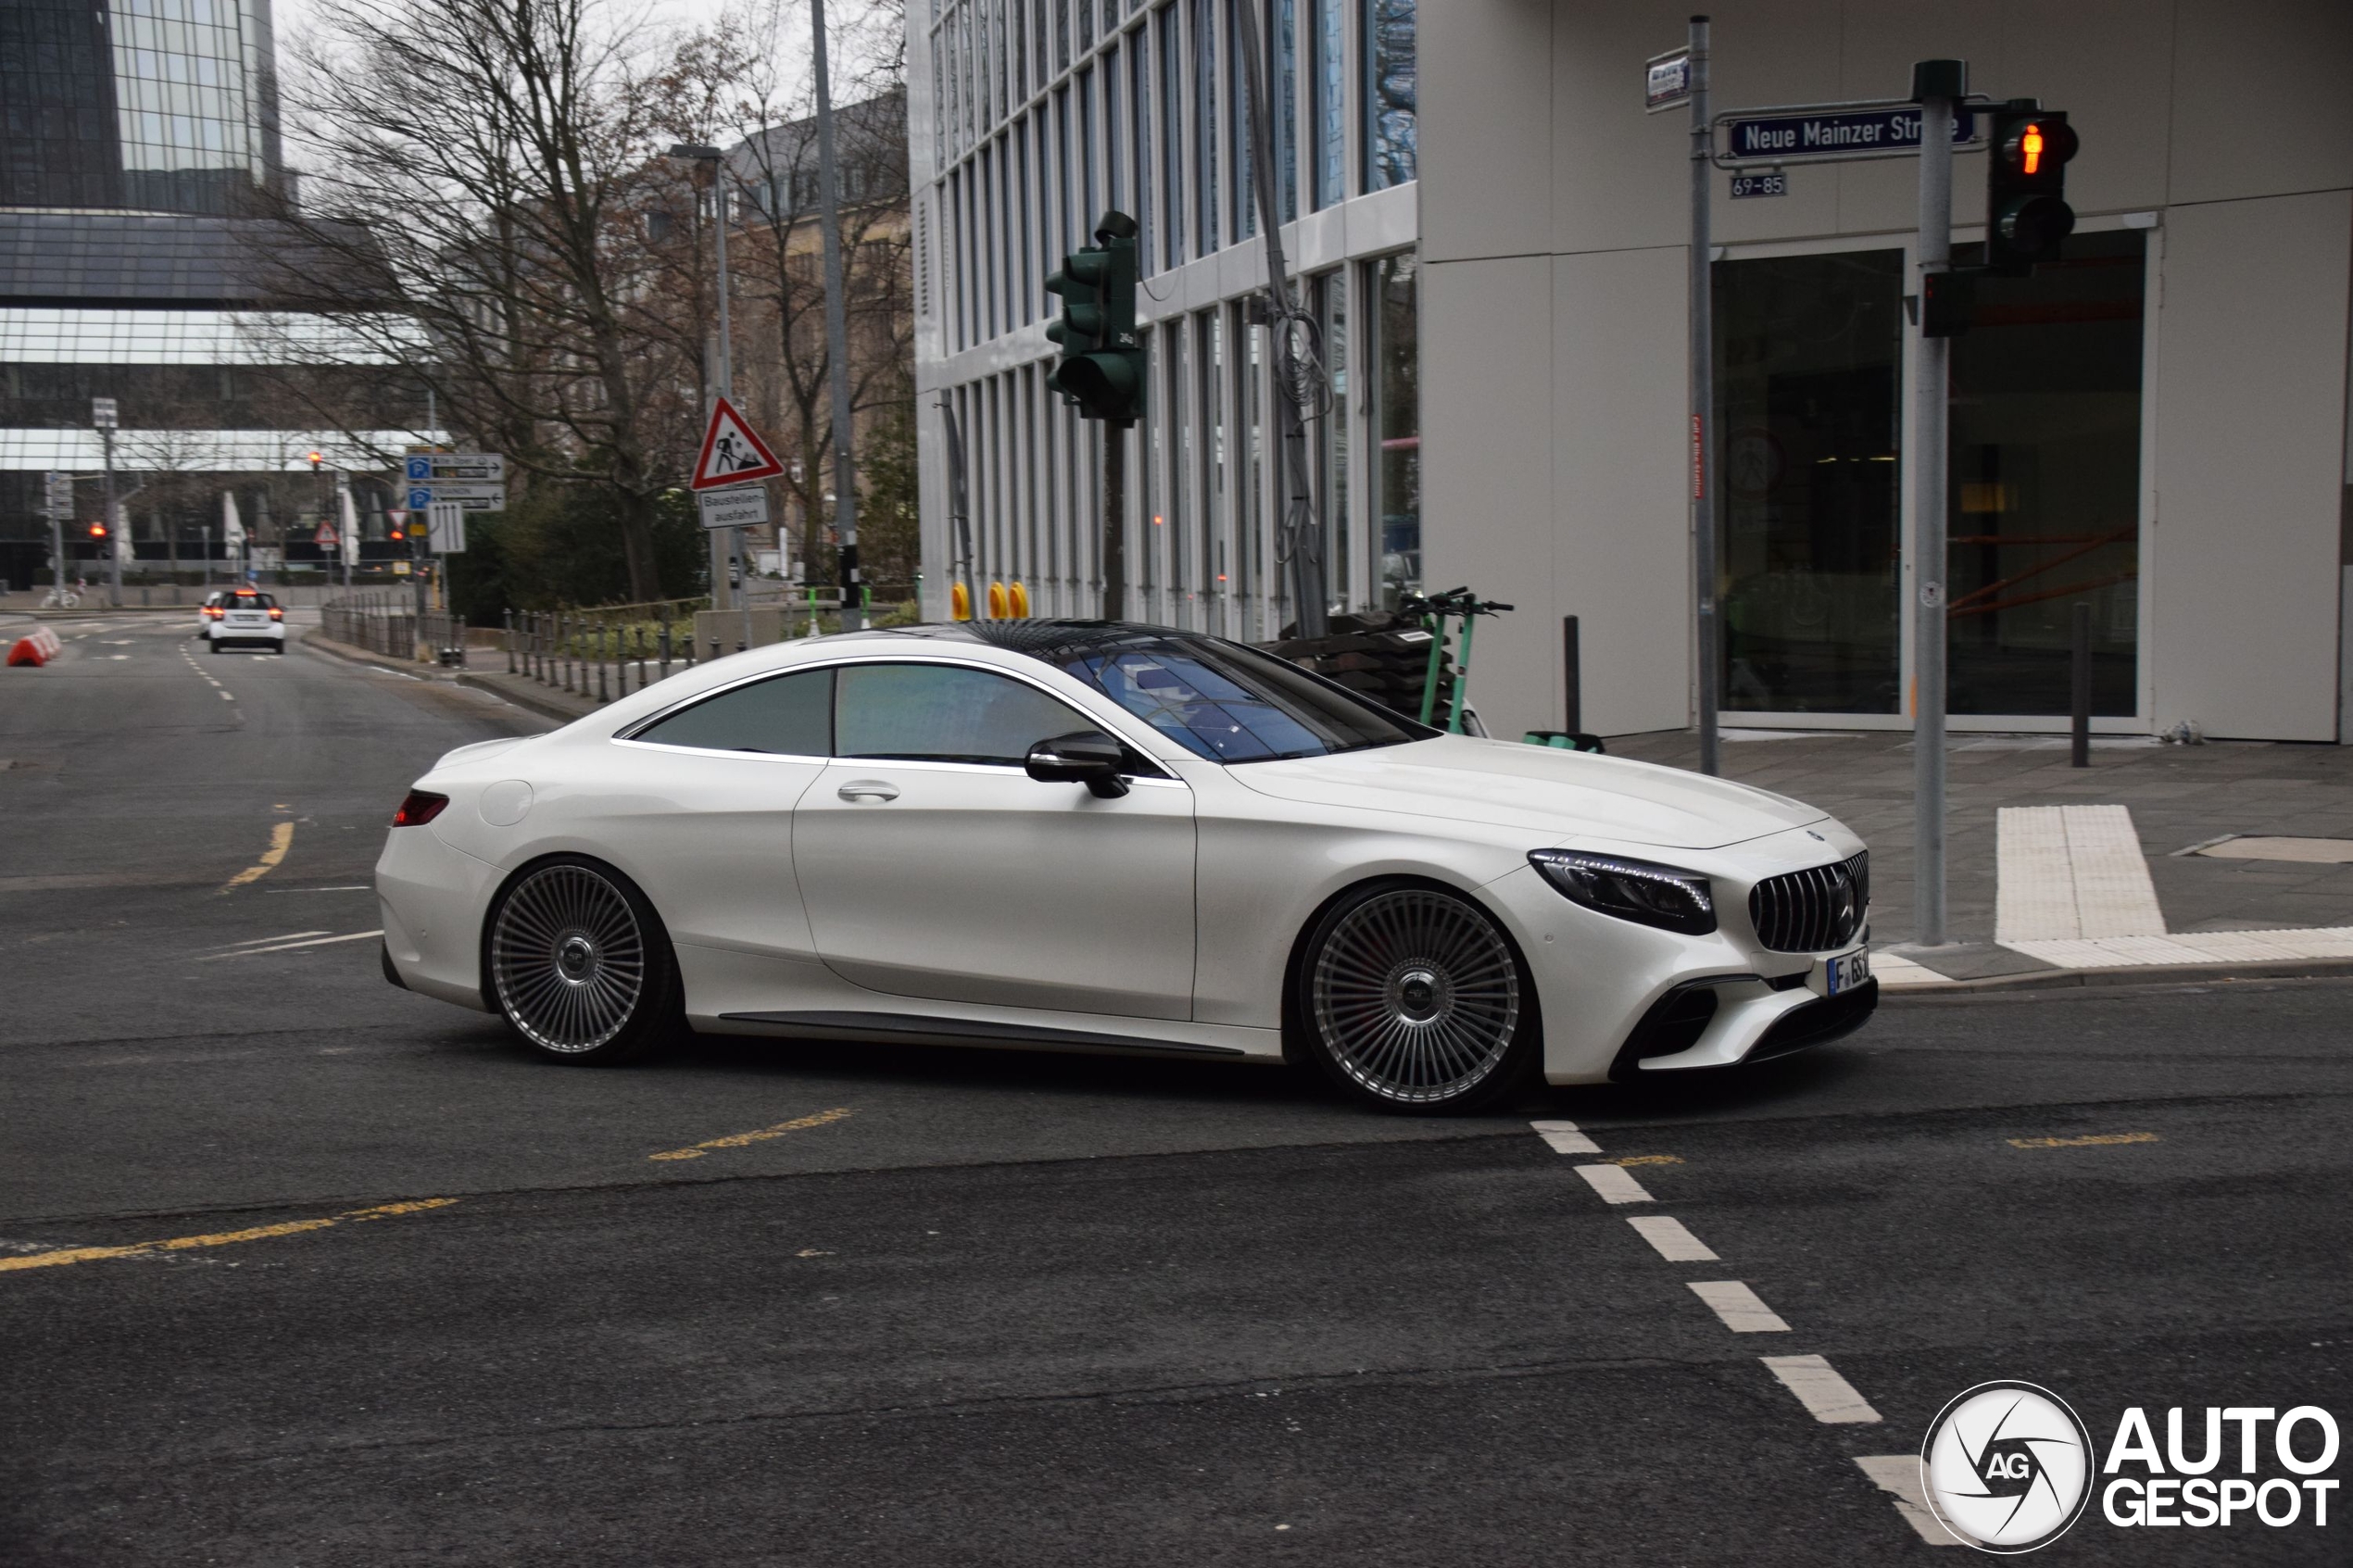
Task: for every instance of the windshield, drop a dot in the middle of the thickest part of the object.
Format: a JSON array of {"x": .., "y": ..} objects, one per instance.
[{"x": 1233, "y": 704}]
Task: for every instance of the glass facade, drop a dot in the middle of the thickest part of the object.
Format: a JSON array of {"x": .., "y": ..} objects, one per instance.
[
  {"x": 1808, "y": 351},
  {"x": 1140, "y": 105},
  {"x": 2044, "y": 460}
]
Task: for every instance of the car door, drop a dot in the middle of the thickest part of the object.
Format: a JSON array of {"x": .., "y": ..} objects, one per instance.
[
  {"x": 697, "y": 807},
  {"x": 934, "y": 866}
]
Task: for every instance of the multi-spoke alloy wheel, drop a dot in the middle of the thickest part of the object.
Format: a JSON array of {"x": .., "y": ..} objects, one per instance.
[
  {"x": 578, "y": 964},
  {"x": 1414, "y": 999}
]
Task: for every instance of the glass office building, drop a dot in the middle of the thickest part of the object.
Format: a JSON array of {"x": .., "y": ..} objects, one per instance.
[
  {"x": 1029, "y": 118},
  {"x": 139, "y": 152}
]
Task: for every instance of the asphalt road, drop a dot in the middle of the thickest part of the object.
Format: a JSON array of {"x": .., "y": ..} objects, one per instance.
[{"x": 768, "y": 1303}]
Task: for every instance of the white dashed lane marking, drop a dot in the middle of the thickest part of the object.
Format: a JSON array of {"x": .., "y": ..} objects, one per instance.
[
  {"x": 1674, "y": 1241},
  {"x": 1615, "y": 1182},
  {"x": 1822, "y": 1390},
  {"x": 1899, "y": 1476},
  {"x": 1741, "y": 1310},
  {"x": 1564, "y": 1138}
]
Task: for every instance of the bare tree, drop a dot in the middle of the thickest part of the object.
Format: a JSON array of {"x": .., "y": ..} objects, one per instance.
[{"x": 483, "y": 184}]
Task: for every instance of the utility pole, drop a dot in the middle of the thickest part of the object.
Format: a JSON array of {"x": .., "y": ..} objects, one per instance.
[
  {"x": 710, "y": 175},
  {"x": 1706, "y": 641},
  {"x": 853, "y": 610},
  {"x": 1937, "y": 86},
  {"x": 1299, "y": 543},
  {"x": 102, "y": 415}
]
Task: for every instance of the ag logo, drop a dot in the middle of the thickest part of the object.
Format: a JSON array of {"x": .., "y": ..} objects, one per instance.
[{"x": 2008, "y": 1467}]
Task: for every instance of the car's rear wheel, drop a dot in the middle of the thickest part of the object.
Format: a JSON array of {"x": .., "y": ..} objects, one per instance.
[
  {"x": 579, "y": 963},
  {"x": 1413, "y": 998}
]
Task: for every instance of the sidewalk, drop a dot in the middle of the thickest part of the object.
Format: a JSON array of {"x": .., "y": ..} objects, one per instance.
[
  {"x": 486, "y": 670},
  {"x": 2178, "y": 797}
]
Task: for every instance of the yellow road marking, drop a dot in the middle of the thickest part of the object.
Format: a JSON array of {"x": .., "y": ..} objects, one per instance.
[
  {"x": 737, "y": 1140},
  {"x": 221, "y": 1238},
  {"x": 1647, "y": 1160},
  {"x": 281, "y": 840},
  {"x": 2085, "y": 1141}
]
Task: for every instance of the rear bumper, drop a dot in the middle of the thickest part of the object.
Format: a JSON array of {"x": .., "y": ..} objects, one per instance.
[{"x": 433, "y": 897}]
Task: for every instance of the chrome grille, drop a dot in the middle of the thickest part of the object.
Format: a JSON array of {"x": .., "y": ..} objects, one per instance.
[{"x": 1812, "y": 911}]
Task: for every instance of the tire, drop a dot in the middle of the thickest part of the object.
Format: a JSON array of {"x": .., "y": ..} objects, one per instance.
[
  {"x": 577, "y": 962},
  {"x": 1412, "y": 999},
  {"x": 213, "y": 642}
]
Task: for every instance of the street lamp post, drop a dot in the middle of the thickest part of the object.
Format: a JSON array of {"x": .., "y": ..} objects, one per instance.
[
  {"x": 709, "y": 166},
  {"x": 102, "y": 414},
  {"x": 854, "y": 609}
]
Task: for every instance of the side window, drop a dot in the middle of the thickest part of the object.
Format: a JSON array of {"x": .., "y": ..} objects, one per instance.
[
  {"x": 789, "y": 715},
  {"x": 941, "y": 713}
]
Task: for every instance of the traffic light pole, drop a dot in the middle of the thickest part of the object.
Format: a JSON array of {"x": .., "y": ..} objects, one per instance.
[
  {"x": 1938, "y": 86},
  {"x": 1702, "y": 410},
  {"x": 114, "y": 545},
  {"x": 1115, "y": 521}
]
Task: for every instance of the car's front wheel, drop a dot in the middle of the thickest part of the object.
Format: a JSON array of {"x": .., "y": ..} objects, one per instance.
[
  {"x": 1413, "y": 998},
  {"x": 579, "y": 964}
]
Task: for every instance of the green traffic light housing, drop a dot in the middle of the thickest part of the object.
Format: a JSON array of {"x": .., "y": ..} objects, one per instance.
[
  {"x": 2027, "y": 218},
  {"x": 1102, "y": 364}
]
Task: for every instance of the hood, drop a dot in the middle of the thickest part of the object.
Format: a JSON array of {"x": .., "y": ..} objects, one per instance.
[
  {"x": 479, "y": 751},
  {"x": 1554, "y": 795}
]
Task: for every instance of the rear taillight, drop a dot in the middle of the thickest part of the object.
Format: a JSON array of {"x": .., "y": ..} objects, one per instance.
[
  {"x": 420, "y": 808},
  {"x": 213, "y": 612},
  {"x": 276, "y": 614}
]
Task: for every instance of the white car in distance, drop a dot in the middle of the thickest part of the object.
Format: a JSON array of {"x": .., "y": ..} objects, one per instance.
[
  {"x": 247, "y": 617},
  {"x": 1089, "y": 836}
]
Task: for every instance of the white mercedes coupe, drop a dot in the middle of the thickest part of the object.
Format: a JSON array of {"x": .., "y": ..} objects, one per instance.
[{"x": 1089, "y": 836}]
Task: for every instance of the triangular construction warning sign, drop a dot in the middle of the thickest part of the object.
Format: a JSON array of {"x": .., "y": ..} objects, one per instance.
[{"x": 733, "y": 452}]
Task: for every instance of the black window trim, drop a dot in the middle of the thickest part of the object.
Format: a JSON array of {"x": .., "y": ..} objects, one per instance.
[{"x": 628, "y": 734}]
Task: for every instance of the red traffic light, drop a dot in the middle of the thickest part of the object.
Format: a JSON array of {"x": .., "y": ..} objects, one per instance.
[
  {"x": 398, "y": 535},
  {"x": 97, "y": 530},
  {"x": 2040, "y": 146},
  {"x": 316, "y": 459}
]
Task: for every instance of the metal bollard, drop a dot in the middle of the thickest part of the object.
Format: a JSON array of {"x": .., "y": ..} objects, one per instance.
[
  {"x": 2080, "y": 747},
  {"x": 662, "y": 643},
  {"x": 602, "y": 695},
  {"x": 507, "y": 636}
]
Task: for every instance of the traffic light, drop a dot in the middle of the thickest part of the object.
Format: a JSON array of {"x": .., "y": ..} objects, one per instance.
[
  {"x": 316, "y": 459},
  {"x": 2026, "y": 212},
  {"x": 99, "y": 532},
  {"x": 1102, "y": 364}
]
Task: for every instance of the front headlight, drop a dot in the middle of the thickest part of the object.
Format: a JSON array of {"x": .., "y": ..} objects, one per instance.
[{"x": 1641, "y": 891}]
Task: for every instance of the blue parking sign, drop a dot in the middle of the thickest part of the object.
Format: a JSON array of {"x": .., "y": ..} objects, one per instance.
[
  {"x": 419, "y": 469},
  {"x": 420, "y": 499}
]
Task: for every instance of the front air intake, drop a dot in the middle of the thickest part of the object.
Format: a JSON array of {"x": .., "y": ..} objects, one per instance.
[{"x": 1814, "y": 911}]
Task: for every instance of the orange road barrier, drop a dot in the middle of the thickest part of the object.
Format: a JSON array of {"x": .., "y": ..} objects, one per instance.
[
  {"x": 960, "y": 602},
  {"x": 35, "y": 650},
  {"x": 1018, "y": 597},
  {"x": 997, "y": 605}
]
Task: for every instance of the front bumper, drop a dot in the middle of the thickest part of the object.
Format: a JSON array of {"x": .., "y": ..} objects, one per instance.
[{"x": 1621, "y": 1000}]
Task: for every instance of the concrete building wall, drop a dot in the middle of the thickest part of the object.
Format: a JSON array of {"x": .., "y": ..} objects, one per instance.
[{"x": 2228, "y": 122}]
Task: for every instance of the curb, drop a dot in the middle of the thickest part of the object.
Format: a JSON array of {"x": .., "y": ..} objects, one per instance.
[
  {"x": 315, "y": 639},
  {"x": 2137, "y": 975}
]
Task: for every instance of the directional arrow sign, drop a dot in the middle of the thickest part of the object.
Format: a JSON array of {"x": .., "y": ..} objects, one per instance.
[
  {"x": 435, "y": 467},
  {"x": 733, "y": 452}
]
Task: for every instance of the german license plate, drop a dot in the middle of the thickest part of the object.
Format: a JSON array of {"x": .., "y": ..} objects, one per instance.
[{"x": 1847, "y": 971}]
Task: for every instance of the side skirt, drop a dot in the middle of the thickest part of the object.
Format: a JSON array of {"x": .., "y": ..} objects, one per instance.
[{"x": 917, "y": 1028}]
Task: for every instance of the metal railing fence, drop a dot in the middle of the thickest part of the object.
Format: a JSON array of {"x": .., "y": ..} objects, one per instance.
[{"x": 388, "y": 624}]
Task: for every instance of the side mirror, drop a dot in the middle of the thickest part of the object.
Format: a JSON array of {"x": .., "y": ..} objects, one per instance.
[{"x": 1088, "y": 757}]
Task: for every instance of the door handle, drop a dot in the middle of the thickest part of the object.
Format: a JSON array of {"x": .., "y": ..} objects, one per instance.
[{"x": 859, "y": 789}]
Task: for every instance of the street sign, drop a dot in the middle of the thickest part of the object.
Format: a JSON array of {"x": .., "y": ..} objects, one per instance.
[
  {"x": 433, "y": 468},
  {"x": 446, "y": 528},
  {"x": 58, "y": 496},
  {"x": 732, "y": 452},
  {"x": 1831, "y": 131},
  {"x": 742, "y": 506},
  {"x": 1666, "y": 79},
  {"x": 1773, "y": 182},
  {"x": 101, "y": 413},
  {"x": 325, "y": 536},
  {"x": 475, "y": 498}
]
